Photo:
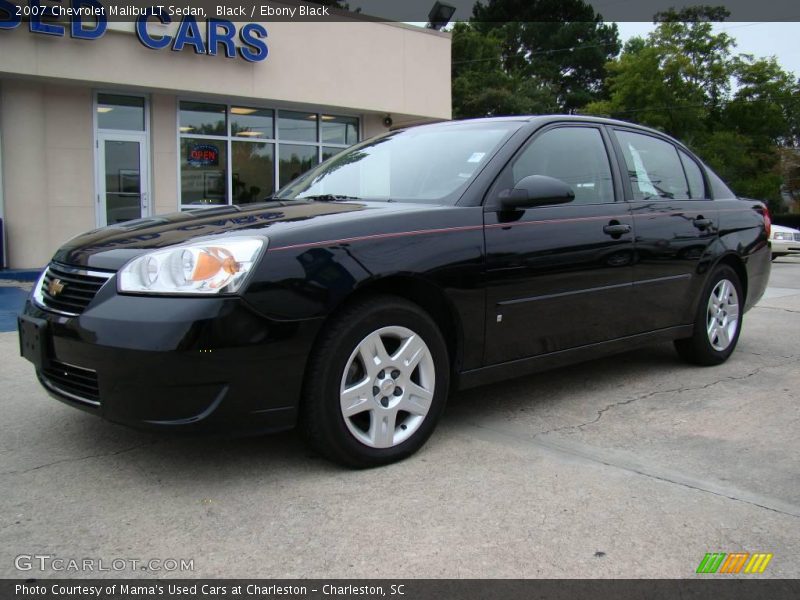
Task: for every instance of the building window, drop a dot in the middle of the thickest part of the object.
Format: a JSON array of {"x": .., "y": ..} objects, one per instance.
[
  {"x": 120, "y": 113},
  {"x": 236, "y": 154},
  {"x": 253, "y": 171},
  {"x": 203, "y": 169},
  {"x": 339, "y": 130},
  {"x": 252, "y": 122},
  {"x": 204, "y": 119},
  {"x": 295, "y": 160},
  {"x": 298, "y": 127}
]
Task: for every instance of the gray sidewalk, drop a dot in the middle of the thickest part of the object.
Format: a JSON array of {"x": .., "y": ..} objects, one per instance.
[{"x": 631, "y": 466}]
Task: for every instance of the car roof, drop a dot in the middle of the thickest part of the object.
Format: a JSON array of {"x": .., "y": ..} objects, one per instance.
[{"x": 545, "y": 119}]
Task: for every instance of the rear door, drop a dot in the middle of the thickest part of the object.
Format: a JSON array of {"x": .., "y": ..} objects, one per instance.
[
  {"x": 558, "y": 276},
  {"x": 675, "y": 222}
]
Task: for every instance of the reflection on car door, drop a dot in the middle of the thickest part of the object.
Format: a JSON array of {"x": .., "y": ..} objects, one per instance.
[
  {"x": 675, "y": 222},
  {"x": 558, "y": 276}
]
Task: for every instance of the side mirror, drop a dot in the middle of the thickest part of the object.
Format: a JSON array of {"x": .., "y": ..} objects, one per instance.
[{"x": 536, "y": 190}]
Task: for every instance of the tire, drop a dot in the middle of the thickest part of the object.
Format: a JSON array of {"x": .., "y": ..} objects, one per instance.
[
  {"x": 715, "y": 339},
  {"x": 366, "y": 415}
]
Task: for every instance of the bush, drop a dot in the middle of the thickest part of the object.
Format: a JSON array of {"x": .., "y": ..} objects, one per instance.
[{"x": 787, "y": 220}]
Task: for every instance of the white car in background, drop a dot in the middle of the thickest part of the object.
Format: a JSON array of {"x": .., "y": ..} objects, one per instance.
[{"x": 784, "y": 240}]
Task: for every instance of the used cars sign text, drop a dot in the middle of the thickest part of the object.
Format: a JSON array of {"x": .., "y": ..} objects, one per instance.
[{"x": 88, "y": 20}]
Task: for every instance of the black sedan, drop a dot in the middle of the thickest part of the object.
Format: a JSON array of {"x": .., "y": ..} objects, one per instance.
[{"x": 425, "y": 260}]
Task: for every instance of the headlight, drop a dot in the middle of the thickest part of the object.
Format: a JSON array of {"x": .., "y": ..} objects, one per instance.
[
  {"x": 780, "y": 235},
  {"x": 206, "y": 267}
]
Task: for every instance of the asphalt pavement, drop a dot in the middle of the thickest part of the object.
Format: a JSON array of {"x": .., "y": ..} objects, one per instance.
[{"x": 631, "y": 466}]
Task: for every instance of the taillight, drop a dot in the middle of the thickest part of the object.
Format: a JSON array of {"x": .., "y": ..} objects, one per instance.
[{"x": 767, "y": 222}]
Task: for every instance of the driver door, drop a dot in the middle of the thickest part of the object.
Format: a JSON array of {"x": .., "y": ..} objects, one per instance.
[{"x": 559, "y": 276}]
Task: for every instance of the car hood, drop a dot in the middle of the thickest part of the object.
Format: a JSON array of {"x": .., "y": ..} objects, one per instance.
[{"x": 111, "y": 247}]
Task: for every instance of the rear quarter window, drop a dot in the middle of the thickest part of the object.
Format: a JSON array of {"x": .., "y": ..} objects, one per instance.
[
  {"x": 719, "y": 190},
  {"x": 697, "y": 185}
]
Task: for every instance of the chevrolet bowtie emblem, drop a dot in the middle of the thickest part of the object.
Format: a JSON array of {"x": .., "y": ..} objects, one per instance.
[{"x": 55, "y": 287}]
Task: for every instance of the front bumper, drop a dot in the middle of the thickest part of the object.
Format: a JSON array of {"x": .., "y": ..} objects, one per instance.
[{"x": 205, "y": 364}]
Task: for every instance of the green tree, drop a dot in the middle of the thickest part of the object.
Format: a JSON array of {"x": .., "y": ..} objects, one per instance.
[
  {"x": 639, "y": 92},
  {"x": 790, "y": 172},
  {"x": 530, "y": 56},
  {"x": 763, "y": 112},
  {"x": 766, "y": 103},
  {"x": 482, "y": 87},
  {"x": 676, "y": 79},
  {"x": 734, "y": 111}
]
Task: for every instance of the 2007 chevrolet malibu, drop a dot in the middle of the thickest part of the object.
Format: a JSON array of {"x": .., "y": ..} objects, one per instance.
[{"x": 424, "y": 260}]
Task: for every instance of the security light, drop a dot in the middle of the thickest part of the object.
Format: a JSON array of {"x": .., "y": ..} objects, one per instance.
[{"x": 440, "y": 15}]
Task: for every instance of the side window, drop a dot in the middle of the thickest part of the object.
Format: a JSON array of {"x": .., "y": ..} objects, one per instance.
[
  {"x": 697, "y": 186},
  {"x": 653, "y": 166},
  {"x": 575, "y": 155},
  {"x": 718, "y": 186}
]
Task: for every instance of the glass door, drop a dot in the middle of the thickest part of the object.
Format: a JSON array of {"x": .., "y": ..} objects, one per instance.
[{"x": 123, "y": 179}]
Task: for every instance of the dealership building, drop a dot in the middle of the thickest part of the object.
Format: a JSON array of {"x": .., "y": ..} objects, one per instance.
[{"x": 106, "y": 122}]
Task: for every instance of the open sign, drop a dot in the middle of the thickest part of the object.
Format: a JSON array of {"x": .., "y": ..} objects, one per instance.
[{"x": 203, "y": 155}]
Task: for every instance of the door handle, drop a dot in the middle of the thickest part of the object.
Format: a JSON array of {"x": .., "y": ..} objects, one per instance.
[
  {"x": 702, "y": 223},
  {"x": 615, "y": 228}
]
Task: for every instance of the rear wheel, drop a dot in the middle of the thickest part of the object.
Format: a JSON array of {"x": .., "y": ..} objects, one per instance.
[
  {"x": 718, "y": 321},
  {"x": 376, "y": 384}
]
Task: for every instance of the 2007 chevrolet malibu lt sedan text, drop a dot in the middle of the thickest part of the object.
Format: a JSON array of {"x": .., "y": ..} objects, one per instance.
[{"x": 424, "y": 260}]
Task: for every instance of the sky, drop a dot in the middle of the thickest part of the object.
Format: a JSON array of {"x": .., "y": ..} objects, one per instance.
[{"x": 760, "y": 39}]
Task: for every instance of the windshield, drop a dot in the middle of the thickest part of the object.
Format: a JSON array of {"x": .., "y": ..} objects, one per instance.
[{"x": 424, "y": 164}]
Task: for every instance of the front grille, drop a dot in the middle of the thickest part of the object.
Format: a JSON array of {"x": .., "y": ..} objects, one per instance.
[
  {"x": 69, "y": 290},
  {"x": 74, "y": 382}
]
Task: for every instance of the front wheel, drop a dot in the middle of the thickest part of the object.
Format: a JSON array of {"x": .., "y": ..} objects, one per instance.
[
  {"x": 376, "y": 384},
  {"x": 718, "y": 321}
]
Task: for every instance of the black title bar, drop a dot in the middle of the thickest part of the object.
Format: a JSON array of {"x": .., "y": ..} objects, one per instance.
[
  {"x": 729, "y": 588},
  {"x": 381, "y": 10}
]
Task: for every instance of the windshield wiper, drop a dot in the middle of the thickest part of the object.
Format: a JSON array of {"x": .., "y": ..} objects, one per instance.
[{"x": 328, "y": 197}]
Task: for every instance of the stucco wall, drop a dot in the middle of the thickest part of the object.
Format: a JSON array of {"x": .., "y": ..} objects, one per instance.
[
  {"x": 46, "y": 101},
  {"x": 47, "y": 167},
  {"x": 164, "y": 144},
  {"x": 361, "y": 66}
]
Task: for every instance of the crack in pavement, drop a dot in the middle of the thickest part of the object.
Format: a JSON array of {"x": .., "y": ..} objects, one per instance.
[
  {"x": 791, "y": 356},
  {"x": 679, "y": 390},
  {"x": 82, "y": 458},
  {"x": 789, "y": 310},
  {"x": 735, "y": 498},
  {"x": 619, "y": 461}
]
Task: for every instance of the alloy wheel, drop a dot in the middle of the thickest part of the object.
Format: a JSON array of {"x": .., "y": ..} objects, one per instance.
[
  {"x": 722, "y": 319},
  {"x": 387, "y": 387}
]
